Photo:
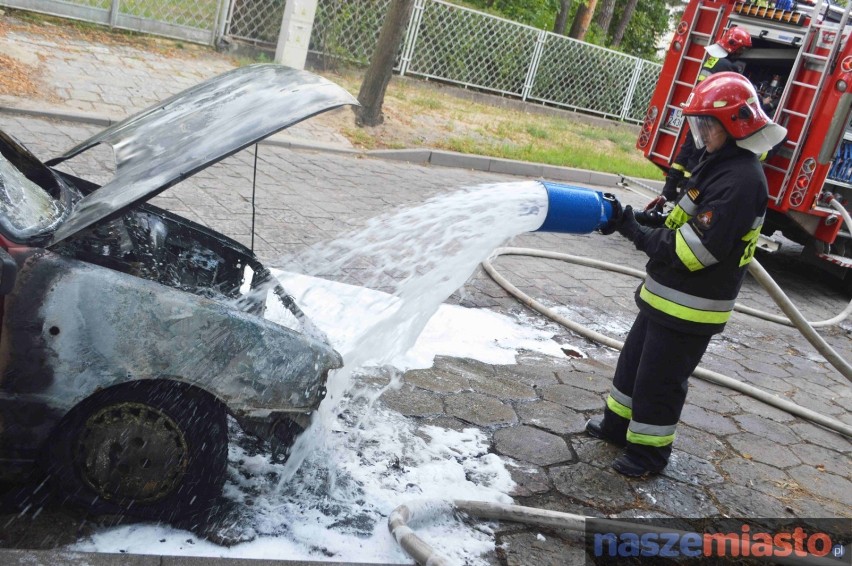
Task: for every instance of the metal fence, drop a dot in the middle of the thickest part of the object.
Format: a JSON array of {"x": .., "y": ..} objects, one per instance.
[
  {"x": 199, "y": 21},
  {"x": 443, "y": 42},
  {"x": 458, "y": 45},
  {"x": 256, "y": 21}
]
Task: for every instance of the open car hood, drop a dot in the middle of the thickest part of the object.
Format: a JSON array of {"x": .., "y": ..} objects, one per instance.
[{"x": 196, "y": 128}]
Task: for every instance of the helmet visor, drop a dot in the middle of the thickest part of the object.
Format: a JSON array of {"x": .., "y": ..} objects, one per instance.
[{"x": 703, "y": 128}]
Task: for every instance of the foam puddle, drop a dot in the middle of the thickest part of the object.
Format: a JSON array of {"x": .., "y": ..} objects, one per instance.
[{"x": 358, "y": 461}]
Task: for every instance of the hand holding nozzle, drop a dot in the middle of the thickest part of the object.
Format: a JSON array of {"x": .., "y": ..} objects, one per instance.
[
  {"x": 653, "y": 218},
  {"x": 628, "y": 226}
]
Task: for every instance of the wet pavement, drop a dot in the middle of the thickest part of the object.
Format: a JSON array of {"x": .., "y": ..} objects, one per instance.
[{"x": 734, "y": 456}]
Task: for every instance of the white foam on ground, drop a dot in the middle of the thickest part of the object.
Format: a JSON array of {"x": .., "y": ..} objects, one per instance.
[
  {"x": 342, "y": 311},
  {"x": 384, "y": 460}
]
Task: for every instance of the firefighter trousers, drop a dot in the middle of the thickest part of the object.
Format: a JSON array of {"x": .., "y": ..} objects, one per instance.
[{"x": 649, "y": 389}]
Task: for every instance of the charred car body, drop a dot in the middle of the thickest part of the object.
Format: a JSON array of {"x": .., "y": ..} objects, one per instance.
[{"x": 125, "y": 339}]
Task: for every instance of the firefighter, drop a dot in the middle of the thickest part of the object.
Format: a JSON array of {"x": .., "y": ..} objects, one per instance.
[
  {"x": 697, "y": 264},
  {"x": 722, "y": 57}
]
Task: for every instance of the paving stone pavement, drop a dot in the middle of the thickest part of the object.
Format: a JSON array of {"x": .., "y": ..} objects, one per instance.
[
  {"x": 112, "y": 81},
  {"x": 734, "y": 456}
]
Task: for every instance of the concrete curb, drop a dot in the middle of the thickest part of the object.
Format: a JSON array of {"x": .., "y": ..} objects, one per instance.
[
  {"x": 63, "y": 115},
  {"x": 418, "y": 156}
]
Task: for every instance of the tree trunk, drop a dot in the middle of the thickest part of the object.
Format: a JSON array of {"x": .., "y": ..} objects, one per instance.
[
  {"x": 372, "y": 93},
  {"x": 562, "y": 17},
  {"x": 583, "y": 20},
  {"x": 623, "y": 23},
  {"x": 604, "y": 17}
]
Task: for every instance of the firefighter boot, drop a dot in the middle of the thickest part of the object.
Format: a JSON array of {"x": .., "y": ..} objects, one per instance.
[
  {"x": 627, "y": 466},
  {"x": 640, "y": 461},
  {"x": 609, "y": 429}
]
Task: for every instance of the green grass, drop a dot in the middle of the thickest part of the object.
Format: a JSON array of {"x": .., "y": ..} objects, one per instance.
[
  {"x": 558, "y": 155},
  {"x": 459, "y": 124},
  {"x": 538, "y": 132},
  {"x": 427, "y": 102},
  {"x": 556, "y": 140},
  {"x": 361, "y": 138}
]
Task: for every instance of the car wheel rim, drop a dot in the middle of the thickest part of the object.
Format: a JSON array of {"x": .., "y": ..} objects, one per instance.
[{"x": 132, "y": 451}]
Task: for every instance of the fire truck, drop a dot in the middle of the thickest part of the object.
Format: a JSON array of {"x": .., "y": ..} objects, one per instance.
[{"x": 800, "y": 60}]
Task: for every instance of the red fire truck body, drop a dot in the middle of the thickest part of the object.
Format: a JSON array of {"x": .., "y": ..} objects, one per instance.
[{"x": 798, "y": 61}]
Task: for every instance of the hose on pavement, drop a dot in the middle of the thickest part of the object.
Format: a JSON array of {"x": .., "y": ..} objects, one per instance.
[
  {"x": 424, "y": 554},
  {"x": 702, "y": 373}
]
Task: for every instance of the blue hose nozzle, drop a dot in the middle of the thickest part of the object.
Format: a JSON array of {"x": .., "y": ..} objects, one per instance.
[{"x": 577, "y": 210}]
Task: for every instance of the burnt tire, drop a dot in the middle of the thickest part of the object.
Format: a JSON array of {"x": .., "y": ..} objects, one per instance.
[{"x": 148, "y": 449}]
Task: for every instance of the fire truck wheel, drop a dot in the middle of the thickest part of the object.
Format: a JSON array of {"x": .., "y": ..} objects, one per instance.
[{"x": 150, "y": 449}]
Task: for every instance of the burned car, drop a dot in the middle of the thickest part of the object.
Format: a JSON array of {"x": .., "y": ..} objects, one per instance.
[{"x": 128, "y": 332}]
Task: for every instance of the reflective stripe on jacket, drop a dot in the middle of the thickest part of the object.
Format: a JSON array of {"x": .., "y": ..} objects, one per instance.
[{"x": 717, "y": 65}]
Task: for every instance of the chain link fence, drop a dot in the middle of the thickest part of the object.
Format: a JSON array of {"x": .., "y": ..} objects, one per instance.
[
  {"x": 443, "y": 42},
  {"x": 198, "y": 21},
  {"x": 348, "y": 31},
  {"x": 462, "y": 46},
  {"x": 580, "y": 76},
  {"x": 255, "y": 21}
]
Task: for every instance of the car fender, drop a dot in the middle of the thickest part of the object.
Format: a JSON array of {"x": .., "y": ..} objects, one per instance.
[{"x": 73, "y": 328}]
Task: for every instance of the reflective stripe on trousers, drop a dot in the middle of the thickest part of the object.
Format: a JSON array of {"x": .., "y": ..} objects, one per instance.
[
  {"x": 620, "y": 404},
  {"x": 650, "y": 435},
  {"x": 639, "y": 433}
]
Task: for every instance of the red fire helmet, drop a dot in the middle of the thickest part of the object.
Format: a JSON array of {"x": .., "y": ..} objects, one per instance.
[
  {"x": 731, "y": 99},
  {"x": 732, "y": 41}
]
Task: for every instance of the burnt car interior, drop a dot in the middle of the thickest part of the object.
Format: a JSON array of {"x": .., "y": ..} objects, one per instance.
[{"x": 146, "y": 242}]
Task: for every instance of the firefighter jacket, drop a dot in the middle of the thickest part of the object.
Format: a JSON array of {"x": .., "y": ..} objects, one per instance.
[
  {"x": 718, "y": 65},
  {"x": 698, "y": 260}
]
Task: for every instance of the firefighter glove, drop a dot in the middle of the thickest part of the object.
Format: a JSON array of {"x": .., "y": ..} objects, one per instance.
[
  {"x": 653, "y": 218},
  {"x": 628, "y": 226},
  {"x": 674, "y": 178}
]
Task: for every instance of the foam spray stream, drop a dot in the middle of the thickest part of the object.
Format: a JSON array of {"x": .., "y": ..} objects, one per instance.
[{"x": 420, "y": 256}]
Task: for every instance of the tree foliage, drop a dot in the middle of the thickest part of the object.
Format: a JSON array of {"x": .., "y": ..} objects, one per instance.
[
  {"x": 537, "y": 13},
  {"x": 649, "y": 23}
]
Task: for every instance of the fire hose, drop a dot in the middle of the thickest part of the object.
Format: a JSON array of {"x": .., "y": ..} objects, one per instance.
[
  {"x": 705, "y": 374},
  {"x": 843, "y": 315},
  {"x": 423, "y": 510}
]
